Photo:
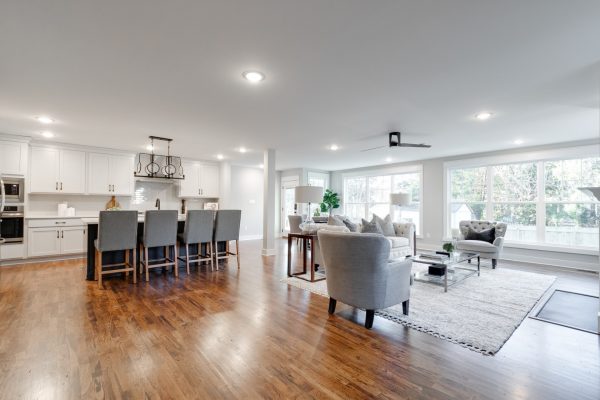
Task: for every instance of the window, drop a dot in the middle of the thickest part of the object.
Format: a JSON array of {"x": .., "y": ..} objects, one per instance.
[
  {"x": 538, "y": 200},
  {"x": 318, "y": 179},
  {"x": 368, "y": 195}
]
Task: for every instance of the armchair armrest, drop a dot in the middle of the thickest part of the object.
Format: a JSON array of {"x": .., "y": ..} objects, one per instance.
[
  {"x": 398, "y": 281},
  {"x": 499, "y": 242},
  {"x": 407, "y": 230}
]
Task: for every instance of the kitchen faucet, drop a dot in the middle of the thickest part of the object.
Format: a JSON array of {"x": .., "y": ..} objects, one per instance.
[{"x": 157, "y": 204}]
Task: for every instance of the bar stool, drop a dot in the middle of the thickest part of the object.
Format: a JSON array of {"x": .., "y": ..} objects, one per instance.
[
  {"x": 160, "y": 230},
  {"x": 198, "y": 230},
  {"x": 227, "y": 228},
  {"x": 117, "y": 231}
]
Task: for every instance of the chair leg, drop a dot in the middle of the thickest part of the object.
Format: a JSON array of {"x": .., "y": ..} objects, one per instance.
[
  {"x": 237, "y": 252},
  {"x": 126, "y": 263},
  {"x": 216, "y": 252},
  {"x": 141, "y": 250},
  {"x": 175, "y": 260},
  {"x": 332, "y": 304},
  {"x": 133, "y": 266},
  {"x": 369, "y": 319},
  {"x": 212, "y": 265},
  {"x": 146, "y": 264},
  {"x": 494, "y": 263},
  {"x": 99, "y": 267},
  {"x": 187, "y": 258},
  {"x": 405, "y": 307}
]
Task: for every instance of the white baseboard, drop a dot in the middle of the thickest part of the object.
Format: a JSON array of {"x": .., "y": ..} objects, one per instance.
[{"x": 587, "y": 266}]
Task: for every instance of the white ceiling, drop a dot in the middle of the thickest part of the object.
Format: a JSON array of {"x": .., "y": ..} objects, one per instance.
[{"x": 338, "y": 71}]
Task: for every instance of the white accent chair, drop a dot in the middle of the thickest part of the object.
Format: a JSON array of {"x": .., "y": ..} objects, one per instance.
[
  {"x": 486, "y": 250},
  {"x": 360, "y": 274}
]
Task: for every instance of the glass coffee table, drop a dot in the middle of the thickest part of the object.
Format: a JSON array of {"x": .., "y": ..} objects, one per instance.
[{"x": 458, "y": 269}]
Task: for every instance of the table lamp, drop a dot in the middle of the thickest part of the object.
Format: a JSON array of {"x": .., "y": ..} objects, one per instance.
[
  {"x": 308, "y": 195},
  {"x": 401, "y": 200}
]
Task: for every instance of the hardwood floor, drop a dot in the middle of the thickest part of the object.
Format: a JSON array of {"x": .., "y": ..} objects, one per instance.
[{"x": 244, "y": 334}]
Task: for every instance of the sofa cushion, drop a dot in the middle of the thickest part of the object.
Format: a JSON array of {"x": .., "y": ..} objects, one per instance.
[
  {"x": 350, "y": 225},
  {"x": 371, "y": 227},
  {"x": 487, "y": 235},
  {"x": 335, "y": 221},
  {"x": 396, "y": 241},
  {"x": 386, "y": 224}
]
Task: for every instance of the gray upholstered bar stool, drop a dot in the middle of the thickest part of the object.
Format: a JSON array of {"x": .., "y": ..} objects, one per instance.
[
  {"x": 160, "y": 230},
  {"x": 227, "y": 228},
  {"x": 117, "y": 231},
  {"x": 198, "y": 230}
]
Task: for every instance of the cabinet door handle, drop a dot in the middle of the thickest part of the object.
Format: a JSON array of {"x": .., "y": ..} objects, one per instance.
[
  {"x": 58, "y": 234},
  {"x": 61, "y": 186},
  {"x": 109, "y": 188},
  {"x": 62, "y": 234},
  {"x": 113, "y": 188},
  {"x": 56, "y": 185}
]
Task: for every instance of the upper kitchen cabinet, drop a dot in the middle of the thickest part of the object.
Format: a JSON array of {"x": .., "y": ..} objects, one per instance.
[
  {"x": 13, "y": 158},
  {"x": 57, "y": 171},
  {"x": 110, "y": 174},
  {"x": 201, "y": 181}
]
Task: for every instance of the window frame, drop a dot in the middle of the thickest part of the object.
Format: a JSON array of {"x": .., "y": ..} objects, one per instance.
[
  {"x": 400, "y": 170},
  {"x": 540, "y": 158}
]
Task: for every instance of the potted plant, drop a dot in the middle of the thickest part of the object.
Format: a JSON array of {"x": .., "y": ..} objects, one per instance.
[
  {"x": 448, "y": 247},
  {"x": 330, "y": 201}
]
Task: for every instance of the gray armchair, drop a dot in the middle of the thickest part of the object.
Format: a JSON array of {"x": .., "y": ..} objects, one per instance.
[
  {"x": 487, "y": 250},
  {"x": 360, "y": 274}
]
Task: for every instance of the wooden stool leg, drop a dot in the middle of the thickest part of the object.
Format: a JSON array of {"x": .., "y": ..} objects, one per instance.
[
  {"x": 212, "y": 265},
  {"x": 175, "y": 260},
  {"x": 133, "y": 266},
  {"x": 99, "y": 267},
  {"x": 187, "y": 258},
  {"x": 141, "y": 250},
  {"x": 146, "y": 259},
  {"x": 237, "y": 252},
  {"x": 126, "y": 263}
]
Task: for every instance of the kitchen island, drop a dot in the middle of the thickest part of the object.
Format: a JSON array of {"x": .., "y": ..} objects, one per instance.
[{"x": 113, "y": 257}]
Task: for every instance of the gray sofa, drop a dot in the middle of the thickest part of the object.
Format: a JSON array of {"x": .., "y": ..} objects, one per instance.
[
  {"x": 360, "y": 273},
  {"x": 487, "y": 250}
]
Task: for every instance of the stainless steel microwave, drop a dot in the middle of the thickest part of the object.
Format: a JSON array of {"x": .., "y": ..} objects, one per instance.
[{"x": 14, "y": 190}]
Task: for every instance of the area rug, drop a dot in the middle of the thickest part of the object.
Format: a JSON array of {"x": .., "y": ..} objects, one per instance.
[{"x": 479, "y": 313}]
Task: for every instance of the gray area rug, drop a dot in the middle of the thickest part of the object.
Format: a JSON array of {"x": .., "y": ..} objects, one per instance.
[
  {"x": 573, "y": 310},
  {"x": 480, "y": 313}
]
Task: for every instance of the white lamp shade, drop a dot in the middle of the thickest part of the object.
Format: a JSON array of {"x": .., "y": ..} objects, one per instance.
[
  {"x": 309, "y": 194},
  {"x": 400, "y": 199}
]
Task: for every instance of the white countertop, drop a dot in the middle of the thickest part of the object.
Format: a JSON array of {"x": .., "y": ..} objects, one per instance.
[{"x": 55, "y": 216}]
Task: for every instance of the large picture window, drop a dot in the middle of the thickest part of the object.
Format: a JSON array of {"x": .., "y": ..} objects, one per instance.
[
  {"x": 367, "y": 195},
  {"x": 538, "y": 200}
]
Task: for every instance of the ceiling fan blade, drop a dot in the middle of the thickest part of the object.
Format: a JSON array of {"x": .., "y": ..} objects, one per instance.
[
  {"x": 374, "y": 148},
  {"x": 421, "y": 145}
]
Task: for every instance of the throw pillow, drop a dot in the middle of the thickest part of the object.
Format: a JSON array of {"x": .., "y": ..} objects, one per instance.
[
  {"x": 335, "y": 221},
  {"x": 371, "y": 227},
  {"x": 350, "y": 225},
  {"x": 386, "y": 225},
  {"x": 485, "y": 236}
]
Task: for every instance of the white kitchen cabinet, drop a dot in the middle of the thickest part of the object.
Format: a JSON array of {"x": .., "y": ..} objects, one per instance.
[
  {"x": 201, "y": 181},
  {"x": 49, "y": 237},
  {"x": 57, "y": 171},
  {"x": 110, "y": 174},
  {"x": 13, "y": 158},
  {"x": 43, "y": 242},
  {"x": 72, "y": 240}
]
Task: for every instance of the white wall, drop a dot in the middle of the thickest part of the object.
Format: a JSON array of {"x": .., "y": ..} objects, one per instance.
[{"x": 247, "y": 195}]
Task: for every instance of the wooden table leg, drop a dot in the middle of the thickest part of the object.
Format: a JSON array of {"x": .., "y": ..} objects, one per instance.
[
  {"x": 289, "y": 256},
  {"x": 312, "y": 259},
  {"x": 304, "y": 255}
]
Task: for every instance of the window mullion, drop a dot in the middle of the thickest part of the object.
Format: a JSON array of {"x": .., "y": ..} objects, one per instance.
[
  {"x": 540, "y": 209},
  {"x": 489, "y": 208}
]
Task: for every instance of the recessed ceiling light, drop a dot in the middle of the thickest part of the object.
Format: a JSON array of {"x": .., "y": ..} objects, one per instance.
[
  {"x": 47, "y": 134},
  {"x": 388, "y": 159},
  {"x": 261, "y": 165},
  {"x": 254, "y": 76},
  {"x": 219, "y": 156},
  {"x": 44, "y": 119},
  {"x": 482, "y": 116},
  {"x": 518, "y": 142},
  {"x": 333, "y": 147},
  {"x": 243, "y": 150},
  {"x": 149, "y": 147}
]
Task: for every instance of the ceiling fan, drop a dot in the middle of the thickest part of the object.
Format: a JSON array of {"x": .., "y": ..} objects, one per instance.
[{"x": 395, "y": 141}]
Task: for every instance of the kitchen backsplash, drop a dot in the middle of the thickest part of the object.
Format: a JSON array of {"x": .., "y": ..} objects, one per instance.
[{"x": 144, "y": 198}]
